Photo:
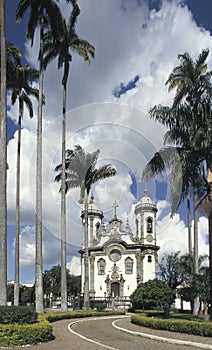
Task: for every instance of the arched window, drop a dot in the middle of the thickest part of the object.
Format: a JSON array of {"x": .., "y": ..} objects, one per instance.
[
  {"x": 97, "y": 226},
  {"x": 149, "y": 225},
  {"x": 101, "y": 263},
  {"x": 128, "y": 265},
  {"x": 149, "y": 258}
]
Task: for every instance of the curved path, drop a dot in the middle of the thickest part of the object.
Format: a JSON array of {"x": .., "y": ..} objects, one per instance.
[{"x": 100, "y": 334}]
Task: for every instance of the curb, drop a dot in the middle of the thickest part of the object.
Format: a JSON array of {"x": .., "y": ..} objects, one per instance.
[{"x": 162, "y": 339}]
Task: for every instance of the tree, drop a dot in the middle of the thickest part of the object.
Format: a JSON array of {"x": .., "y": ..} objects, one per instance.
[
  {"x": 27, "y": 295},
  {"x": 189, "y": 121},
  {"x": 199, "y": 286},
  {"x": 154, "y": 294},
  {"x": 61, "y": 48},
  {"x": 193, "y": 85},
  {"x": 44, "y": 13},
  {"x": 52, "y": 282},
  {"x": 81, "y": 172},
  {"x": 176, "y": 270},
  {"x": 3, "y": 163},
  {"x": 19, "y": 81},
  {"x": 170, "y": 270}
]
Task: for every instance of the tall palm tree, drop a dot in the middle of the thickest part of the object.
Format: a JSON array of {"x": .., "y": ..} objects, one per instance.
[
  {"x": 61, "y": 49},
  {"x": 189, "y": 120},
  {"x": 45, "y": 14},
  {"x": 3, "y": 162},
  {"x": 21, "y": 90},
  {"x": 81, "y": 172},
  {"x": 193, "y": 84}
]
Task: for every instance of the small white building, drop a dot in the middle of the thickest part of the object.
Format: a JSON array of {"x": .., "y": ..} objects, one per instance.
[{"x": 118, "y": 258}]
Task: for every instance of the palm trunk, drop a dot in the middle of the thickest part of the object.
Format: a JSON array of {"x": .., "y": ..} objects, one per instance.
[
  {"x": 86, "y": 258},
  {"x": 189, "y": 223},
  {"x": 17, "y": 212},
  {"x": 63, "y": 212},
  {"x": 196, "y": 256},
  {"x": 39, "y": 257},
  {"x": 3, "y": 164},
  {"x": 209, "y": 179}
]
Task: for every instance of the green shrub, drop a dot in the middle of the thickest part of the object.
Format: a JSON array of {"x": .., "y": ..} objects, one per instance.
[
  {"x": 42, "y": 331},
  {"x": 101, "y": 307},
  {"x": 17, "y": 314},
  {"x": 154, "y": 294},
  {"x": 182, "y": 326},
  {"x": 58, "y": 315},
  {"x": 16, "y": 335}
]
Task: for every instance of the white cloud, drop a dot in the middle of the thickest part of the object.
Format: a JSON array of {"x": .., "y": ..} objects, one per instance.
[
  {"x": 172, "y": 234},
  {"x": 129, "y": 42},
  {"x": 74, "y": 266}
]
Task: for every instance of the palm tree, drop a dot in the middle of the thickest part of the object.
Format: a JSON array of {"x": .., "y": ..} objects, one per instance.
[
  {"x": 44, "y": 13},
  {"x": 189, "y": 121},
  {"x": 193, "y": 84},
  {"x": 61, "y": 48},
  {"x": 21, "y": 90},
  {"x": 3, "y": 163},
  {"x": 81, "y": 172}
]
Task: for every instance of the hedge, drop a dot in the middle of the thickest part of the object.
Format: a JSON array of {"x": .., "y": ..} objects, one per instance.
[
  {"x": 16, "y": 314},
  {"x": 58, "y": 315},
  {"x": 182, "y": 326},
  {"x": 15, "y": 335},
  {"x": 42, "y": 331}
]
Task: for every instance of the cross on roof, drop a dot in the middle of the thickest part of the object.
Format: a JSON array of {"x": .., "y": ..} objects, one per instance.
[{"x": 115, "y": 205}]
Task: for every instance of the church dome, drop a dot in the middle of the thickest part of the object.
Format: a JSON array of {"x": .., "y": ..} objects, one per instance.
[
  {"x": 93, "y": 208},
  {"x": 145, "y": 203},
  {"x": 146, "y": 199}
]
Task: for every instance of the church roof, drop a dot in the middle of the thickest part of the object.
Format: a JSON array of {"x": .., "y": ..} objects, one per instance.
[{"x": 146, "y": 199}]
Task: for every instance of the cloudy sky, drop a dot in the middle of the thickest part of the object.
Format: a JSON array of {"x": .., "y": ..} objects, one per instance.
[{"x": 137, "y": 43}]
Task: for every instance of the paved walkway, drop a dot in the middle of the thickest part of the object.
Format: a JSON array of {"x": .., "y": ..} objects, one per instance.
[{"x": 104, "y": 335}]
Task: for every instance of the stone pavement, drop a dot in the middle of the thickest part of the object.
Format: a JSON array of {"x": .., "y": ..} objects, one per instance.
[{"x": 103, "y": 332}]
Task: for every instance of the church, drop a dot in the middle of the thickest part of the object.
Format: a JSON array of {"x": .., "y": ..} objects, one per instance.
[{"x": 120, "y": 259}]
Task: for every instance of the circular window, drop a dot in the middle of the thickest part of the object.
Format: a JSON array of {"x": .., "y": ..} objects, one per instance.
[
  {"x": 149, "y": 238},
  {"x": 115, "y": 255}
]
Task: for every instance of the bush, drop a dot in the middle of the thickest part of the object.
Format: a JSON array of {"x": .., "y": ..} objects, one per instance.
[
  {"x": 17, "y": 314},
  {"x": 101, "y": 307},
  {"x": 58, "y": 315},
  {"x": 42, "y": 331},
  {"x": 16, "y": 335},
  {"x": 182, "y": 326},
  {"x": 154, "y": 294}
]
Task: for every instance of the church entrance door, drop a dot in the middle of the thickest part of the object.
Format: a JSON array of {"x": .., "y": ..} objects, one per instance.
[{"x": 115, "y": 289}]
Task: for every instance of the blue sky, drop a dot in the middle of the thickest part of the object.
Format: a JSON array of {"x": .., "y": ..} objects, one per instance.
[{"x": 137, "y": 43}]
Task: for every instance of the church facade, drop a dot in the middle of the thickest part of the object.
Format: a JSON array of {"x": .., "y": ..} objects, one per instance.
[{"x": 118, "y": 258}]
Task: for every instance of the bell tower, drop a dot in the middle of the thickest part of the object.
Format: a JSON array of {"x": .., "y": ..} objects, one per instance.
[
  {"x": 145, "y": 213},
  {"x": 95, "y": 217}
]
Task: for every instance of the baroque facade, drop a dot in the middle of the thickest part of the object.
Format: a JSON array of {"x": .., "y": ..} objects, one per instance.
[{"x": 118, "y": 258}]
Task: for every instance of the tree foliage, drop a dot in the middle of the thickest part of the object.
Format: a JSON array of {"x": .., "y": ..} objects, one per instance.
[
  {"x": 52, "y": 282},
  {"x": 154, "y": 294},
  {"x": 81, "y": 170}
]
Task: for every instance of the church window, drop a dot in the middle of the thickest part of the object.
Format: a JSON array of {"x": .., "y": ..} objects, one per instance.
[
  {"x": 97, "y": 226},
  {"x": 149, "y": 258},
  {"x": 115, "y": 255},
  {"x": 128, "y": 265},
  {"x": 149, "y": 225},
  {"x": 101, "y": 266}
]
